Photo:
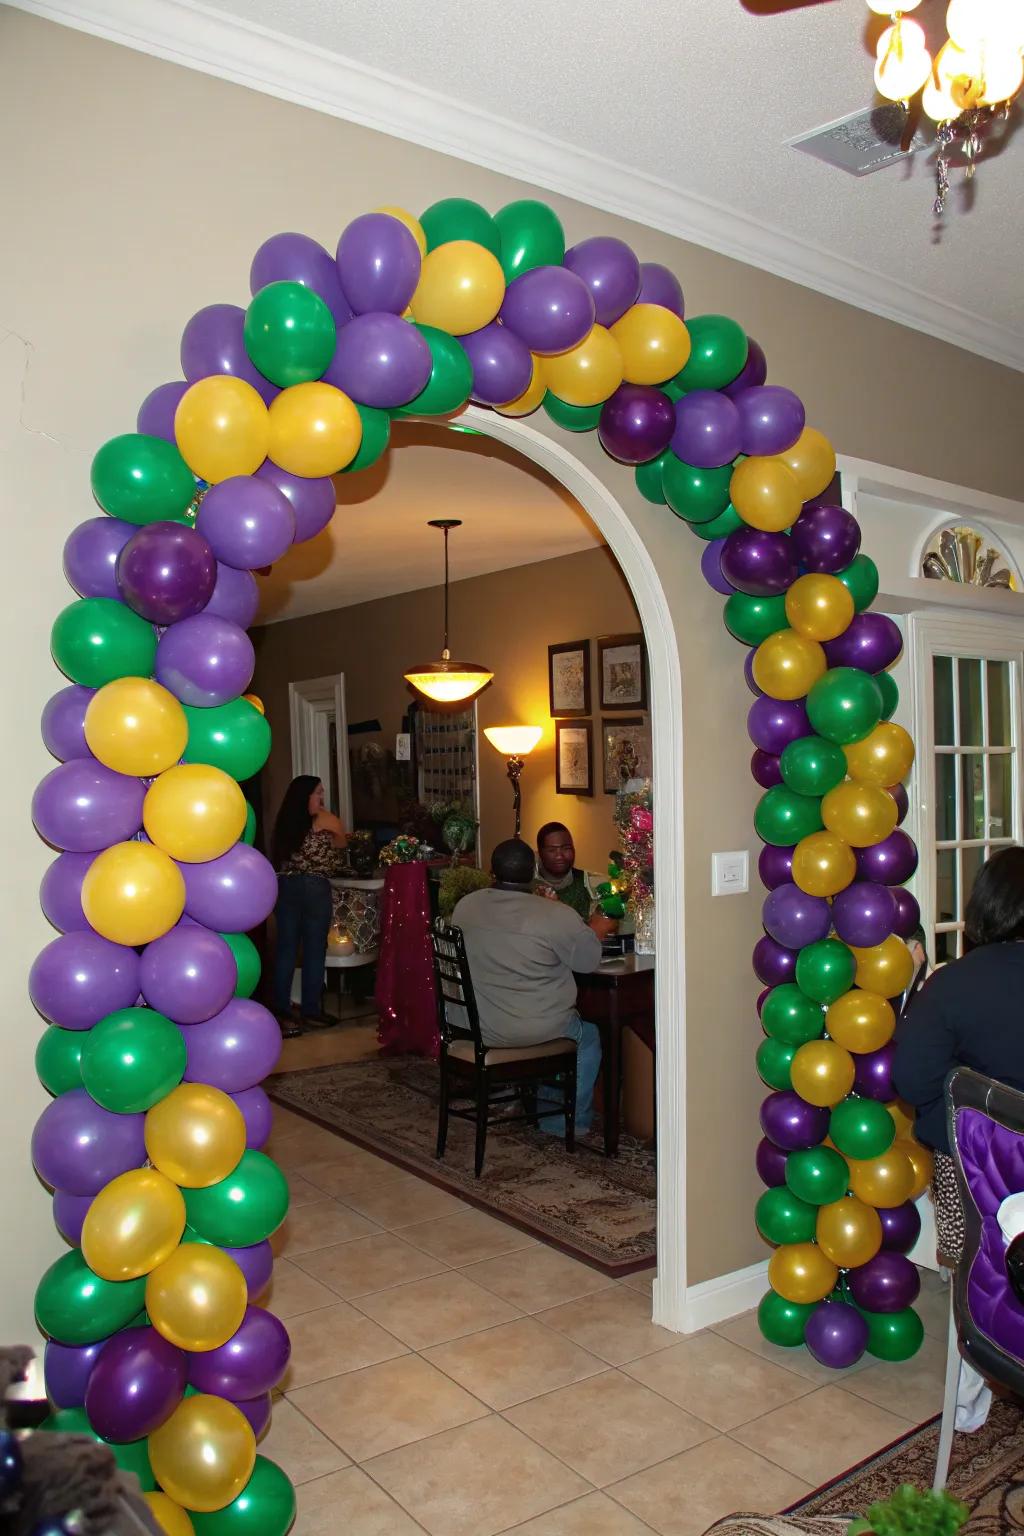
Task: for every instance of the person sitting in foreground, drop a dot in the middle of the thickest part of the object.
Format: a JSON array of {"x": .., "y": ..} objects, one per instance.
[
  {"x": 522, "y": 953},
  {"x": 556, "y": 873}
]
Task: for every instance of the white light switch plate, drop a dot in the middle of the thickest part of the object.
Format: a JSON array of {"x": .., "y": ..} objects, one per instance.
[{"x": 730, "y": 873}]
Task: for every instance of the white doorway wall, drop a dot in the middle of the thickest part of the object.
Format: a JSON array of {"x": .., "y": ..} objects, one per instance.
[{"x": 315, "y": 707}]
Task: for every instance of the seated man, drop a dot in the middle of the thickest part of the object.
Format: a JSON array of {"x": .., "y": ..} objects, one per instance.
[
  {"x": 522, "y": 953},
  {"x": 556, "y": 872}
]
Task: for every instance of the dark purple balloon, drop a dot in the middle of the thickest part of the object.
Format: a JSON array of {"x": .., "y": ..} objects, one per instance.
[
  {"x": 748, "y": 672},
  {"x": 380, "y": 360},
  {"x": 886, "y": 1283},
  {"x": 501, "y": 363},
  {"x": 611, "y": 272},
  {"x": 189, "y": 974},
  {"x": 248, "y": 522},
  {"x": 166, "y": 572},
  {"x": 90, "y": 556},
  {"x": 292, "y": 258},
  {"x": 213, "y": 342},
  {"x": 771, "y": 419},
  {"x": 137, "y": 1382},
  {"x": 235, "y": 597},
  {"x": 773, "y": 723},
  {"x": 312, "y": 501},
  {"x": 251, "y": 1362},
  {"x": 60, "y": 892},
  {"x": 78, "y": 1146},
  {"x": 890, "y": 862},
  {"x": 660, "y": 286},
  {"x": 156, "y": 413},
  {"x": 764, "y": 993},
  {"x": 775, "y": 865},
  {"x": 794, "y": 919},
  {"x": 873, "y": 1079},
  {"x": 771, "y": 1163},
  {"x": 69, "y": 1213},
  {"x": 378, "y": 264},
  {"x": 871, "y": 641},
  {"x": 791, "y": 1123},
  {"x": 66, "y": 1369},
  {"x": 79, "y": 978},
  {"x": 764, "y": 766},
  {"x": 773, "y": 963},
  {"x": 258, "y": 1114},
  {"x": 908, "y": 912},
  {"x": 256, "y": 1264},
  {"x": 83, "y": 806},
  {"x": 825, "y": 538},
  {"x": 902, "y": 799},
  {"x": 864, "y": 913},
  {"x": 63, "y": 723},
  {"x": 901, "y": 1227},
  {"x": 753, "y": 372},
  {"x": 234, "y": 1050},
  {"x": 836, "y": 1334},
  {"x": 257, "y": 1411},
  {"x": 205, "y": 660},
  {"x": 636, "y": 423},
  {"x": 707, "y": 429},
  {"x": 549, "y": 309},
  {"x": 711, "y": 567},
  {"x": 232, "y": 894},
  {"x": 758, "y": 563}
]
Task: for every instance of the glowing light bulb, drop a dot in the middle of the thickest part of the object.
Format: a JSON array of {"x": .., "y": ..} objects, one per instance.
[
  {"x": 937, "y": 102},
  {"x": 976, "y": 21},
  {"x": 1002, "y": 76},
  {"x": 902, "y": 34},
  {"x": 885, "y": 8},
  {"x": 899, "y": 74}
]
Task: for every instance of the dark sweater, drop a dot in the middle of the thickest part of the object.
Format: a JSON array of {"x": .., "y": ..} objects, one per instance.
[{"x": 971, "y": 1014}]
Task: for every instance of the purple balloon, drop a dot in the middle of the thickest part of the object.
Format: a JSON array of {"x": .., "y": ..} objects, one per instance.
[
  {"x": 156, "y": 413},
  {"x": 758, "y": 563},
  {"x": 312, "y": 501},
  {"x": 770, "y": 1161},
  {"x": 66, "y": 1369},
  {"x": 137, "y": 1382},
  {"x": 292, "y": 258},
  {"x": 890, "y": 862},
  {"x": 189, "y": 974},
  {"x": 60, "y": 892},
  {"x": 836, "y": 1334},
  {"x": 501, "y": 363},
  {"x": 256, "y": 1264},
  {"x": 773, "y": 723},
  {"x": 908, "y": 912},
  {"x": 79, "y": 1147},
  {"x": 378, "y": 264},
  {"x": 793, "y": 918},
  {"x": 234, "y": 1050},
  {"x": 258, "y": 1114},
  {"x": 63, "y": 723},
  {"x": 69, "y": 1213},
  {"x": 256, "y": 1409},
  {"x": 707, "y": 429},
  {"x": 753, "y": 372},
  {"x": 764, "y": 766},
  {"x": 711, "y": 567},
  {"x": 901, "y": 1227},
  {"x": 864, "y": 913},
  {"x": 825, "y": 538},
  {"x": 886, "y": 1283},
  {"x": 791, "y": 1123},
  {"x": 775, "y": 865},
  {"x": 748, "y": 672},
  {"x": 90, "y": 556},
  {"x": 83, "y": 806},
  {"x": 79, "y": 978},
  {"x": 660, "y": 286},
  {"x": 205, "y": 660},
  {"x": 251, "y": 1362},
  {"x": 902, "y": 799},
  {"x": 213, "y": 342},
  {"x": 550, "y": 309},
  {"x": 611, "y": 272},
  {"x": 248, "y": 522},
  {"x": 380, "y": 360},
  {"x": 771, "y": 419},
  {"x": 236, "y": 597},
  {"x": 166, "y": 572},
  {"x": 873, "y": 1079},
  {"x": 636, "y": 423},
  {"x": 773, "y": 963},
  {"x": 232, "y": 894},
  {"x": 871, "y": 641}
]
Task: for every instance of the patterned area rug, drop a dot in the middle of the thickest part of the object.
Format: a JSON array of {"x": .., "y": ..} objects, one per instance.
[{"x": 598, "y": 1209}]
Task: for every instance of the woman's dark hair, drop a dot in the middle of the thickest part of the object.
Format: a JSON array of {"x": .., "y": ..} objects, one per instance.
[
  {"x": 995, "y": 912},
  {"x": 293, "y": 819}
]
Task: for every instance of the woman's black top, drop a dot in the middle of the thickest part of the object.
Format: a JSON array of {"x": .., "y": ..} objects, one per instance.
[{"x": 970, "y": 1014}]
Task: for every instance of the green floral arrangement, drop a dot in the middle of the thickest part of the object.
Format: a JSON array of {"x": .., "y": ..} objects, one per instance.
[
  {"x": 401, "y": 850},
  {"x": 458, "y": 882},
  {"x": 458, "y": 832},
  {"x": 912, "y": 1512}
]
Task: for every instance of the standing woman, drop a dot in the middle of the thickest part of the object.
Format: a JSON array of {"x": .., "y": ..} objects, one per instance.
[{"x": 307, "y": 849}]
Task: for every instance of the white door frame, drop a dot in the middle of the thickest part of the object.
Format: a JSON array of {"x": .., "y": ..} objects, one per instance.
[{"x": 309, "y": 704}]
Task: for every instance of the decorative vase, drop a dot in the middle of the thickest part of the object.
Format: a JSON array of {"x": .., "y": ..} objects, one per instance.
[{"x": 643, "y": 918}]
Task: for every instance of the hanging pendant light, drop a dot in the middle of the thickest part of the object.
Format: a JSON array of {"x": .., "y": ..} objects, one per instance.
[{"x": 447, "y": 681}]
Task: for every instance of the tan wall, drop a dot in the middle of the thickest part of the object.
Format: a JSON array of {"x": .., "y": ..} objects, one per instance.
[
  {"x": 138, "y": 192},
  {"x": 504, "y": 621}
]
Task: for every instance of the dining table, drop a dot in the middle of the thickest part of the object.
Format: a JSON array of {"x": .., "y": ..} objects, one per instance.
[{"x": 618, "y": 995}]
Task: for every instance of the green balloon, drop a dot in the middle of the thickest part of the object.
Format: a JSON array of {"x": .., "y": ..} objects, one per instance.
[
  {"x": 783, "y": 1322},
  {"x": 531, "y": 235},
  {"x": 825, "y": 970},
  {"x": 98, "y": 639},
  {"x": 783, "y": 817},
  {"x": 247, "y": 959},
  {"x": 862, "y": 1128},
  {"x": 860, "y": 578},
  {"x": 451, "y": 377},
  {"x": 289, "y": 333},
  {"x": 575, "y": 418},
  {"x": 753, "y": 619},
  {"x": 265, "y": 1507},
  {"x": 817, "y": 1175},
  {"x": 374, "y": 442},
  {"x": 75, "y": 1306},
  {"x": 132, "y": 1059},
  {"x": 894, "y": 1335},
  {"x": 142, "y": 479},
  {"x": 697, "y": 495},
  {"x": 673, "y": 389},
  {"x": 783, "y": 1217},
  {"x": 649, "y": 479},
  {"x": 249, "y": 830},
  {"x": 774, "y": 1060},
  {"x": 718, "y": 350},
  {"x": 130, "y": 1457},
  {"x": 811, "y": 765},
  {"x": 844, "y": 704},
  {"x": 890, "y": 694},
  {"x": 59, "y": 1059},
  {"x": 719, "y": 527},
  {"x": 790, "y": 1017},
  {"x": 242, "y": 1209},
  {"x": 234, "y": 737},
  {"x": 458, "y": 218},
  {"x": 140, "y": 1320}
]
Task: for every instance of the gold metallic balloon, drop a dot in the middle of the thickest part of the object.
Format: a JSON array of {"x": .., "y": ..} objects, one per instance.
[
  {"x": 410, "y": 221},
  {"x": 886, "y": 968},
  {"x": 194, "y": 812},
  {"x": 787, "y": 665},
  {"x": 256, "y": 702},
  {"x": 849, "y": 1232},
  {"x": 902, "y": 1117},
  {"x": 801, "y": 1272},
  {"x": 461, "y": 288},
  {"x": 136, "y": 727},
  {"x": 765, "y": 493},
  {"x": 812, "y": 462},
  {"x": 587, "y": 374},
  {"x": 170, "y": 1517},
  {"x": 654, "y": 343},
  {"x": 195, "y": 1135},
  {"x": 822, "y": 1072},
  {"x": 196, "y": 1299},
  {"x": 921, "y": 1160},
  {"x": 820, "y": 607},
  {"x": 221, "y": 427},
  {"x": 133, "y": 1224},
  {"x": 314, "y": 429},
  {"x": 883, "y": 757},
  {"x": 531, "y": 396},
  {"x": 882, "y": 1181},
  {"x": 859, "y": 813},
  {"x": 133, "y": 893},
  {"x": 823, "y": 864},
  {"x": 203, "y": 1455},
  {"x": 860, "y": 1021}
]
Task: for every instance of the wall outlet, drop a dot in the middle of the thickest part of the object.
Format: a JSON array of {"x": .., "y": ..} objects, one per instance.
[
  {"x": 730, "y": 873},
  {"x": 403, "y": 747}
]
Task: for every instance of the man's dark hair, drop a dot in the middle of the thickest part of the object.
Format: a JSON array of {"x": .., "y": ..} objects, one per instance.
[
  {"x": 547, "y": 829},
  {"x": 995, "y": 912},
  {"x": 512, "y": 862}
]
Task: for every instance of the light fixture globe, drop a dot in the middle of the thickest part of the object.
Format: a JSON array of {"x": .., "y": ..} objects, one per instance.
[
  {"x": 513, "y": 740},
  {"x": 446, "y": 681}
]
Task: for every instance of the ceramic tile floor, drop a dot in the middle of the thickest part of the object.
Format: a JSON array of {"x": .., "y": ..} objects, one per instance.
[{"x": 450, "y": 1375}]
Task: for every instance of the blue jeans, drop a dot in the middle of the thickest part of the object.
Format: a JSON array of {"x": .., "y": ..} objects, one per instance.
[
  {"x": 588, "y": 1064},
  {"x": 303, "y": 917}
]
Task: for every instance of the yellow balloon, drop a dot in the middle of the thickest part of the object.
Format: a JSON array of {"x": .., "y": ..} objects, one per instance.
[
  {"x": 882, "y": 1181},
  {"x": 133, "y": 1224},
  {"x": 587, "y": 374},
  {"x": 170, "y": 1517},
  {"x": 812, "y": 460},
  {"x": 133, "y": 893},
  {"x": 221, "y": 428},
  {"x": 195, "y": 1135},
  {"x": 787, "y": 665},
  {"x": 883, "y": 757},
  {"x": 902, "y": 1118},
  {"x": 315, "y": 430},
  {"x": 461, "y": 288},
  {"x": 765, "y": 494},
  {"x": 922, "y": 1161},
  {"x": 255, "y": 700},
  {"x": 136, "y": 727},
  {"x": 849, "y": 1231},
  {"x": 822, "y": 1073},
  {"x": 196, "y": 1299},
  {"x": 823, "y": 864},
  {"x": 411, "y": 223},
  {"x": 203, "y": 1455},
  {"x": 859, "y": 1021},
  {"x": 801, "y": 1272},
  {"x": 194, "y": 812},
  {"x": 860, "y": 813},
  {"x": 531, "y": 396},
  {"x": 654, "y": 344},
  {"x": 886, "y": 969},
  {"x": 819, "y": 607}
]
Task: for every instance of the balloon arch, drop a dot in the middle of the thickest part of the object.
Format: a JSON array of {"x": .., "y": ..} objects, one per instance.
[{"x": 154, "y": 1050}]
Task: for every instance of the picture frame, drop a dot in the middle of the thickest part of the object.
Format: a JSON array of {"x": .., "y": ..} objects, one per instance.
[
  {"x": 574, "y": 758},
  {"x": 569, "y": 679},
  {"x": 625, "y": 751},
  {"x": 622, "y": 669}
]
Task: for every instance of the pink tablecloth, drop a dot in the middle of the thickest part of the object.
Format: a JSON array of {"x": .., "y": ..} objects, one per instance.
[{"x": 405, "y": 995}]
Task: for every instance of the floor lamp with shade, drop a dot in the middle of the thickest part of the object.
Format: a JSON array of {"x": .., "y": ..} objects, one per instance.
[{"x": 515, "y": 743}]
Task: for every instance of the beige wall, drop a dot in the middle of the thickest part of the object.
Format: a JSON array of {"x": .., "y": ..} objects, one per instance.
[{"x": 135, "y": 193}]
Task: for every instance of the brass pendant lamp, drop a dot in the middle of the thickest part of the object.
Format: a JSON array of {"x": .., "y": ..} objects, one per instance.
[{"x": 446, "y": 681}]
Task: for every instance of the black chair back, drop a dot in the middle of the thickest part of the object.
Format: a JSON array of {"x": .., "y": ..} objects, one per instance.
[{"x": 454, "y": 987}]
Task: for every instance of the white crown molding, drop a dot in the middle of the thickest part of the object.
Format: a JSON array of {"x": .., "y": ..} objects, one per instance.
[{"x": 196, "y": 37}]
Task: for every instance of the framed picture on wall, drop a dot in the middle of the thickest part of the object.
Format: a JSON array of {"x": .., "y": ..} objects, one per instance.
[
  {"x": 622, "y": 664},
  {"x": 574, "y": 773},
  {"x": 569, "y": 678},
  {"x": 626, "y": 752}
]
